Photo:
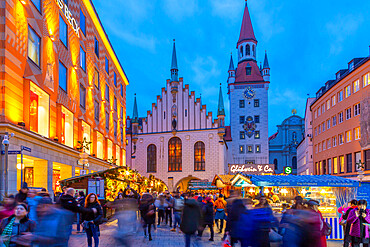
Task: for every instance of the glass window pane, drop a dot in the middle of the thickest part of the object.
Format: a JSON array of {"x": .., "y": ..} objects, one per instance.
[
  {"x": 63, "y": 31},
  {"x": 62, "y": 76},
  {"x": 96, "y": 48},
  {"x": 82, "y": 22},
  {"x": 82, "y": 59},
  {"x": 33, "y": 46},
  {"x": 37, "y": 4},
  {"x": 107, "y": 65},
  {"x": 115, "y": 79}
]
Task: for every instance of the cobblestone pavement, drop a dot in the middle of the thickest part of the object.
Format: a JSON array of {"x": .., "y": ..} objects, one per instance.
[{"x": 162, "y": 237}]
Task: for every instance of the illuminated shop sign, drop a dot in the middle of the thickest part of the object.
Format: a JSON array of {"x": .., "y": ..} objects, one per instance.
[
  {"x": 64, "y": 8},
  {"x": 252, "y": 169}
]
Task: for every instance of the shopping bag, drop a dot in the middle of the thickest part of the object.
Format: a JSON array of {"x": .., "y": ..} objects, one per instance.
[{"x": 226, "y": 242}]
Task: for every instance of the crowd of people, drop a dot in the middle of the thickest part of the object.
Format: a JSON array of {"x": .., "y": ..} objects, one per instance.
[{"x": 33, "y": 218}]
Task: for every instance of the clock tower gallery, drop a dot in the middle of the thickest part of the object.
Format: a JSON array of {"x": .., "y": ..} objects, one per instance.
[{"x": 248, "y": 94}]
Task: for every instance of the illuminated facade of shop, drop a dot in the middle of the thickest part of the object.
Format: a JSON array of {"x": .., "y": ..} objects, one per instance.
[{"x": 57, "y": 91}]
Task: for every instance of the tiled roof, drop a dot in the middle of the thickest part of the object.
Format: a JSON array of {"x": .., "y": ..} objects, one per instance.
[
  {"x": 241, "y": 75},
  {"x": 246, "y": 31}
]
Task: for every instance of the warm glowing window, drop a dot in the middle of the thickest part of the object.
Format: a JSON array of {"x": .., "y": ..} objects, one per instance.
[
  {"x": 34, "y": 46},
  {"x": 348, "y": 91},
  {"x": 356, "y": 86},
  {"x": 99, "y": 145},
  {"x": 151, "y": 158},
  {"x": 118, "y": 155},
  {"x": 39, "y": 110},
  {"x": 357, "y": 109},
  {"x": 357, "y": 132},
  {"x": 333, "y": 100},
  {"x": 82, "y": 59},
  {"x": 67, "y": 127},
  {"x": 96, "y": 110},
  {"x": 63, "y": 31},
  {"x": 341, "y": 163},
  {"x": 96, "y": 78},
  {"x": 82, "y": 96},
  {"x": 250, "y": 149},
  {"x": 340, "y": 139},
  {"x": 106, "y": 65},
  {"x": 110, "y": 150},
  {"x": 242, "y": 135},
  {"x": 37, "y": 4},
  {"x": 348, "y": 113},
  {"x": 335, "y": 165},
  {"x": 199, "y": 156},
  {"x": 258, "y": 149},
  {"x": 328, "y": 104},
  {"x": 241, "y": 149},
  {"x": 115, "y": 128},
  {"x": 96, "y": 46},
  {"x": 366, "y": 79},
  {"x": 174, "y": 154},
  {"x": 63, "y": 76},
  {"x": 86, "y": 134},
  {"x": 340, "y": 96},
  {"x": 82, "y": 22},
  {"x": 348, "y": 136},
  {"x": 257, "y": 134}
]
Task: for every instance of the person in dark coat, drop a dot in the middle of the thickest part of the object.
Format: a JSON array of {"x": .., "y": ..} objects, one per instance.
[
  {"x": 359, "y": 232},
  {"x": 15, "y": 226},
  {"x": 21, "y": 196},
  {"x": 68, "y": 202},
  {"x": 147, "y": 211},
  {"x": 347, "y": 226},
  {"x": 190, "y": 219},
  {"x": 208, "y": 217},
  {"x": 91, "y": 220},
  {"x": 237, "y": 209}
]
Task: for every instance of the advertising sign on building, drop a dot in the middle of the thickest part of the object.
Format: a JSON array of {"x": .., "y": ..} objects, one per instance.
[{"x": 252, "y": 169}]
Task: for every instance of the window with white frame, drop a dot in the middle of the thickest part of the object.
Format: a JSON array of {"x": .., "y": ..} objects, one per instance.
[
  {"x": 348, "y": 113},
  {"x": 315, "y": 131},
  {"x": 334, "y": 141},
  {"x": 315, "y": 114},
  {"x": 356, "y": 109},
  {"x": 328, "y": 143},
  {"x": 357, "y": 132},
  {"x": 328, "y": 104},
  {"x": 320, "y": 147},
  {"x": 99, "y": 145},
  {"x": 241, "y": 149},
  {"x": 323, "y": 126},
  {"x": 328, "y": 123},
  {"x": 333, "y": 100},
  {"x": 340, "y": 116},
  {"x": 366, "y": 79},
  {"x": 348, "y": 91},
  {"x": 323, "y": 145},
  {"x": 318, "y": 111},
  {"x": 242, "y": 135},
  {"x": 322, "y": 108},
  {"x": 334, "y": 120},
  {"x": 316, "y": 149},
  {"x": 39, "y": 110},
  {"x": 348, "y": 136},
  {"x": 340, "y": 139},
  {"x": 319, "y": 129},
  {"x": 250, "y": 149},
  {"x": 67, "y": 127},
  {"x": 340, "y": 96},
  {"x": 356, "y": 86},
  {"x": 258, "y": 148},
  {"x": 34, "y": 42}
]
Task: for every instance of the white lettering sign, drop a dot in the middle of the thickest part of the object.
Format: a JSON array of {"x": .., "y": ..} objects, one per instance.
[
  {"x": 252, "y": 169},
  {"x": 64, "y": 8}
]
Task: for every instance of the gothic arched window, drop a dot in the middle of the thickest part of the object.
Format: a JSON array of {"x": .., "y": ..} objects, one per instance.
[
  {"x": 276, "y": 164},
  {"x": 294, "y": 162},
  {"x": 241, "y": 51},
  {"x": 174, "y": 155},
  {"x": 151, "y": 158},
  {"x": 247, "y": 50},
  {"x": 199, "y": 156},
  {"x": 253, "y": 51}
]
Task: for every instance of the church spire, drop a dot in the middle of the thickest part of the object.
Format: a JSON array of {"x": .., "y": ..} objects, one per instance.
[
  {"x": 246, "y": 31},
  {"x": 221, "y": 108},
  {"x": 174, "y": 69},
  {"x": 135, "y": 114},
  {"x": 266, "y": 69},
  {"x": 266, "y": 62},
  {"x": 231, "y": 66}
]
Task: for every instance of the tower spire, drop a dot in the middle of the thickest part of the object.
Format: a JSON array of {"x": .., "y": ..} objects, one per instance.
[
  {"x": 231, "y": 66},
  {"x": 266, "y": 62},
  {"x": 221, "y": 108},
  {"x": 266, "y": 69},
  {"x": 246, "y": 31},
  {"x": 174, "y": 69},
  {"x": 135, "y": 114}
]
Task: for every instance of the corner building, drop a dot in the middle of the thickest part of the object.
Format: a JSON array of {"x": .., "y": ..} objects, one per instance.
[
  {"x": 178, "y": 140},
  {"x": 341, "y": 122},
  {"x": 248, "y": 94},
  {"x": 61, "y": 83}
]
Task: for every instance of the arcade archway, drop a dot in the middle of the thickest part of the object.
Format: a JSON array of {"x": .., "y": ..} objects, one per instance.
[{"x": 182, "y": 184}]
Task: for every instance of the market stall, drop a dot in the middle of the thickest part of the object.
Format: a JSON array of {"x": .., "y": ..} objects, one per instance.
[
  {"x": 201, "y": 186},
  {"x": 331, "y": 191},
  {"x": 223, "y": 184}
]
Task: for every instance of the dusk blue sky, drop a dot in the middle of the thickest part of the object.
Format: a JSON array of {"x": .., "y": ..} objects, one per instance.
[{"x": 307, "y": 43}]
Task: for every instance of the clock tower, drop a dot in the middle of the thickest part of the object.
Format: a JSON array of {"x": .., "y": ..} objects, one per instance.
[{"x": 248, "y": 94}]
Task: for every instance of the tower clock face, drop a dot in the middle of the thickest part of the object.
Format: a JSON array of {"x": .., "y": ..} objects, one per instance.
[{"x": 249, "y": 93}]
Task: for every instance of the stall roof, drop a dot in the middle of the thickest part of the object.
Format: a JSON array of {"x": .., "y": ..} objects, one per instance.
[{"x": 302, "y": 180}]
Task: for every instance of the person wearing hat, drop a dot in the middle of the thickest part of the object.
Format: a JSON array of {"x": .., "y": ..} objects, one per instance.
[
  {"x": 13, "y": 227},
  {"x": 21, "y": 196},
  {"x": 313, "y": 205},
  {"x": 208, "y": 217},
  {"x": 359, "y": 218}
]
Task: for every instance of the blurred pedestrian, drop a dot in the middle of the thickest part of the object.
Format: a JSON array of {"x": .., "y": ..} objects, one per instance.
[
  {"x": 7, "y": 209},
  {"x": 81, "y": 202},
  {"x": 220, "y": 215},
  {"x": 177, "y": 210},
  {"x": 127, "y": 223},
  {"x": 147, "y": 211},
  {"x": 22, "y": 193},
  {"x": 32, "y": 201},
  {"x": 208, "y": 217},
  {"x": 344, "y": 222},
  {"x": 359, "y": 218},
  {"x": 91, "y": 220},
  {"x": 263, "y": 222},
  {"x": 168, "y": 210},
  {"x": 13, "y": 227},
  {"x": 320, "y": 223},
  {"x": 190, "y": 220},
  {"x": 234, "y": 232}
]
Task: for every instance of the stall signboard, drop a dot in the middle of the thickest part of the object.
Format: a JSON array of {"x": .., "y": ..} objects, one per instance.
[
  {"x": 96, "y": 186},
  {"x": 201, "y": 185},
  {"x": 363, "y": 192},
  {"x": 252, "y": 169}
]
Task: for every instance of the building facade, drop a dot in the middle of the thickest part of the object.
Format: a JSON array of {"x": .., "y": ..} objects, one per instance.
[
  {"x": 178, "y": 140},
  {"x": 305, "y": 148},
  {"x": 248, "y": 94},
  {"x": 341, "y": 132},
  {"x": 62, "y": 84},
  {"x": 283, "y": 144}
]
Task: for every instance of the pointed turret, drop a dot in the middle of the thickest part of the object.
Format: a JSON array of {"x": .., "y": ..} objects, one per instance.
[
  {"x": 135, "y": 115},
  {"x": 231, "y": 66},
  {"x": 246, "y": 31},
  {"x": 231, "y": 71},
  {"x": 221, "y": 108},
  {"x": 174, "y": 69},
  {"x": 266, "y": 69}
]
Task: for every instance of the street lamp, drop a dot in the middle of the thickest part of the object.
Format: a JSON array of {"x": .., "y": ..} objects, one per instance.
[
  {"x": 5, "y": 142},
  {"x": 83, "y": 146},
  {"x": 360, "y": 170}
]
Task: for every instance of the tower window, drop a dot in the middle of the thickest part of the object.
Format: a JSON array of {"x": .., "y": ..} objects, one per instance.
[
  {"x": 257, "y": 119},
  {"x": 241, "y": 119},
  {"x": 241, "y": 51},
  {"x": 256, "y": 103},
  {"x": 248, "y": 69},
  {"x": 250, "y": 149},
  {"x": 242, "y": 135},
  {"x": 247, "y": 50},
  {"x": 253, "y": 51},
  {"x": 241, "y": 103}
]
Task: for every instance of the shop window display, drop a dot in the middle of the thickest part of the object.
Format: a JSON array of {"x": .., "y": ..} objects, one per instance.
[
  {"x": 67, "y": 127},
  {"x": 110, "y": 149},
  {"x": 99, "y": 145},
  {"x": 86, "y": 133},
  {"x": 39, "y": 110}
]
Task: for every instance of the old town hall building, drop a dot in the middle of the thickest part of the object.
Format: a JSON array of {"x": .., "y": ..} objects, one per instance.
[
  {"x": 248, "y": 93},
  {"x": 178, "y": 140}
]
